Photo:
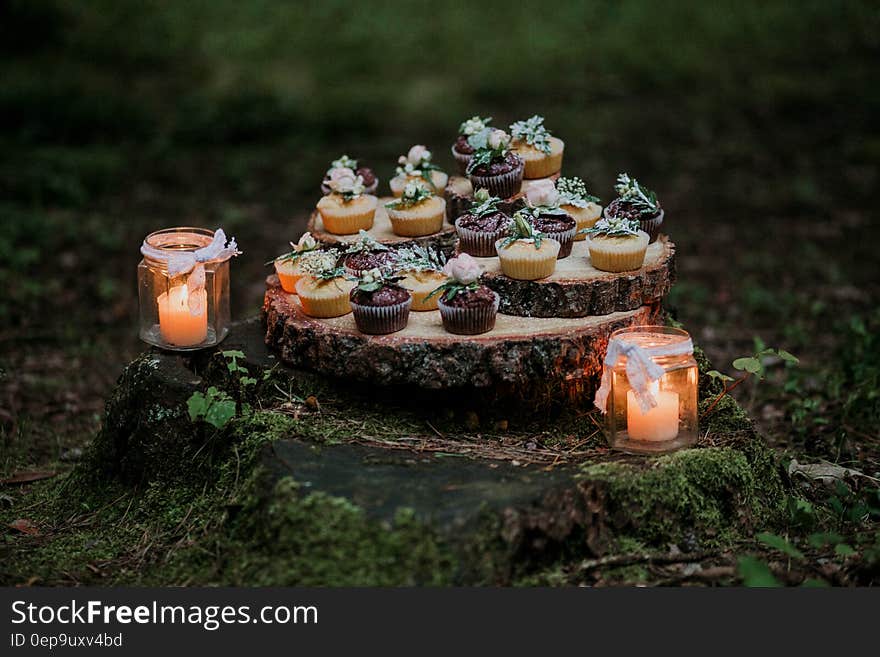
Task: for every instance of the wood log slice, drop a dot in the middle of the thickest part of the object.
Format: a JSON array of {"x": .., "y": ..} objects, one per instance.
[
  {"x": 520, "y": 351},
  {"x": 381, "y": 232},
  {"x": 576, "y": 289}
]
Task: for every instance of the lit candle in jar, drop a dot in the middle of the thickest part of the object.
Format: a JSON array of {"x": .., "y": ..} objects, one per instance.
[
  {"x": 177, "y": 324},
  {"x": 659, "y": 423}
]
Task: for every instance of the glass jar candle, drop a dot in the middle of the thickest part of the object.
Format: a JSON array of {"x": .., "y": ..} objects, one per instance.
[
  {"x": 649, "y": 390},
  {"x": 183, "y": 288}
]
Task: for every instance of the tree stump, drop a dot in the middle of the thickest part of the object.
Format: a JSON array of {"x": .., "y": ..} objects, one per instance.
[
  {"x": 576, "y": 289},
  {"x": 381, "y": 232},
  {"x": 520, "y": 351}
]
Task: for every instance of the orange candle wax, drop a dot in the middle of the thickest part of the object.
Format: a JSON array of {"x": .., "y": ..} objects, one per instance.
[{"x": 177, "y": 324}]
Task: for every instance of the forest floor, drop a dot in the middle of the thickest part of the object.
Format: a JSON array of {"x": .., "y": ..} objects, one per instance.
[{"x": 768, "y": 181}]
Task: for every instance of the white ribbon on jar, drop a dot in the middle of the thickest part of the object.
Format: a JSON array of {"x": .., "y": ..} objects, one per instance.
[
  {"x": 192, "y": 263},
  {"x": 641, "y": 369}
]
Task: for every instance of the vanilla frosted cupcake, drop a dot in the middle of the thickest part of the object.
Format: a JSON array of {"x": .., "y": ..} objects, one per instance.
[
  {"x": 287, "y": 266},
  {"x": 541, "y": 152},
  {"x": 347, "y": 209},
  {"x": 526, "y": 254},
  {"x": 462, "y": 149},
  {"x": 617, "y": 244},
  {"x": 417, "y": 165},
  {"x": 417, "y": 212},
  {"x": 323, "y": 291},
  {"x": 421, "y": 272},
  {"x": 580, "y": 205}
]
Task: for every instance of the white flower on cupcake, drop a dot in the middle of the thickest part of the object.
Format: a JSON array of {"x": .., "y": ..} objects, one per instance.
[
  {"x": 498, "y": 139},
  {"x": 463, "y": 268},
  {"x": 306, "y": 243},
  {"x": 542, "y": 194},
  {"x": 344, "y": 181},
  {"x": 418, "y": 154}
]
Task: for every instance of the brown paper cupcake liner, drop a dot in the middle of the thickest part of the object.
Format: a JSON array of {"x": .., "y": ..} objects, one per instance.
[
  {"x": 565, "y": 239},
  {"x": 468, "y": 321},
  {"x": 503, "y": 185},
  {"x": 477, "y": 243},
  {"x": 381, "y": 320}
]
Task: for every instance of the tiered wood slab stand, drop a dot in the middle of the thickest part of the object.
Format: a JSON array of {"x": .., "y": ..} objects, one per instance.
[{"x": 555, "y": 329}]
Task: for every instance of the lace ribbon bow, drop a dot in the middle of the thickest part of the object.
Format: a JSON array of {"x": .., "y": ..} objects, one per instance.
[
  {"x": 192, "y": 263},
  {"x": 641, "y": 369}
]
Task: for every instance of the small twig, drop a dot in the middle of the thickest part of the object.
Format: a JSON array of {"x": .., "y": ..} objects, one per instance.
[
  {"x": 615, "y": 560},
  {"x": 724, "y": 392}
]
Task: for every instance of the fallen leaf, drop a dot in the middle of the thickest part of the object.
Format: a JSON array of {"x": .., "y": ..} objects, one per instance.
[
  {"x": 312, "y": 403},
  {"x": 25, "y": 527},
  {"x": 825, "y": 472},
  {"x": 27, "y": 477}
]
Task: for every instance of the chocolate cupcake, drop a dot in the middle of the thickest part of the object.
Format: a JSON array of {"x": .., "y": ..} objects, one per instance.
[
  {"x": 636, "y": 202},
  {"x": 365, "y": 254},
  {"x": 466, "y": 307},
  {"x": 559, "y": 227},
  {"x": 380, "y": 306},
  {"x": 370, "y": 181},
  {"x": 481, "y": 226},
  {"x": 469, "y": 312},
  {"x": 494, "y": 166},
  {"x": 462, "y": 149}
]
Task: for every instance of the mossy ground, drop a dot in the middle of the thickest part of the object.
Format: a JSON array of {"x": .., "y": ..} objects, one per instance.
[{"x": 159, "y": 499}]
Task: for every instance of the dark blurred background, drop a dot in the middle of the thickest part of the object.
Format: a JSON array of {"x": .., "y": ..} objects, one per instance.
[{"x": 756, "y": 123}]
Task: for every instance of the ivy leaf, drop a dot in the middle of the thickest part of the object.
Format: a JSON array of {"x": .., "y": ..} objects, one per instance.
[
  {"x": 197, "y": 405},
  {"x": 755, "y": 572},
  {"x": 220, "y": 412},
  {"x": 813, "y": 583},
  {"x": 779, "y": 543},
  {"x": 715, "y": 374},
  {"x": 749, "y": 364},
  {"x": 788, "y": 357},
  {"x": 248, "y": 380},
  {"x": 233, "y": 353}
]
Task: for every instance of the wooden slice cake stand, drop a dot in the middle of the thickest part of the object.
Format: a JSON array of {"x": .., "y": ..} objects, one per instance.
[{"x": 518, "y": 351}]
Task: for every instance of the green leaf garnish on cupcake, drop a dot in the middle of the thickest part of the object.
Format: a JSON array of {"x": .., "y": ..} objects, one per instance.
[
  {"x": 489, "y": 144},
  {"x": 419, "y": 258},
  {"x": 474, "y": 125},
  {"x": 375, "y": 279},
  {"x": 365, "y": 243},
  {"x": 484, "y": 203},
  {"x": 522, "y": 229},
  {"x": 322, "y": 265},
  {"x": 615, "y": 227},
  {"x": 413, "y": 194},
  {"x": 573, "y": 191},
  {"x": 533, "y": 132},
  {"x": 637, "y": 196},
  {"x": 306, "y": 244}
]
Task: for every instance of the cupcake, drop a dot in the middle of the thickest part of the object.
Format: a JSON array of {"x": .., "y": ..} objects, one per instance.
[
  {"x": 417, "y": 212},
  {"x": 542, "y": 207},
  {"x": 462, "y": 150},
  {"x": 526, "y": 254},
  {"x": 459, "y": 195},
  {"x": 466, "y": 307},
  {"x": 371, "y": 182},
  {"x": 347, "y": 209},
  {"x": 323, "y": 290},
  {"x": 287, "y": 266},
  {"x": 494, "y": 166},
  {"x": 366, "y": 253},
  {"x": 481, "y": 226},
  {"x": 635, "y": 201},
  {"x": 580, "y": 205},
  {"x": 616, "y": 244},
  {"x": 421, "y": 272},
  {"x": 379, "y": 304},
  {"x": 541, "y": 152},
  {"x": 417, "y": 165}
]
